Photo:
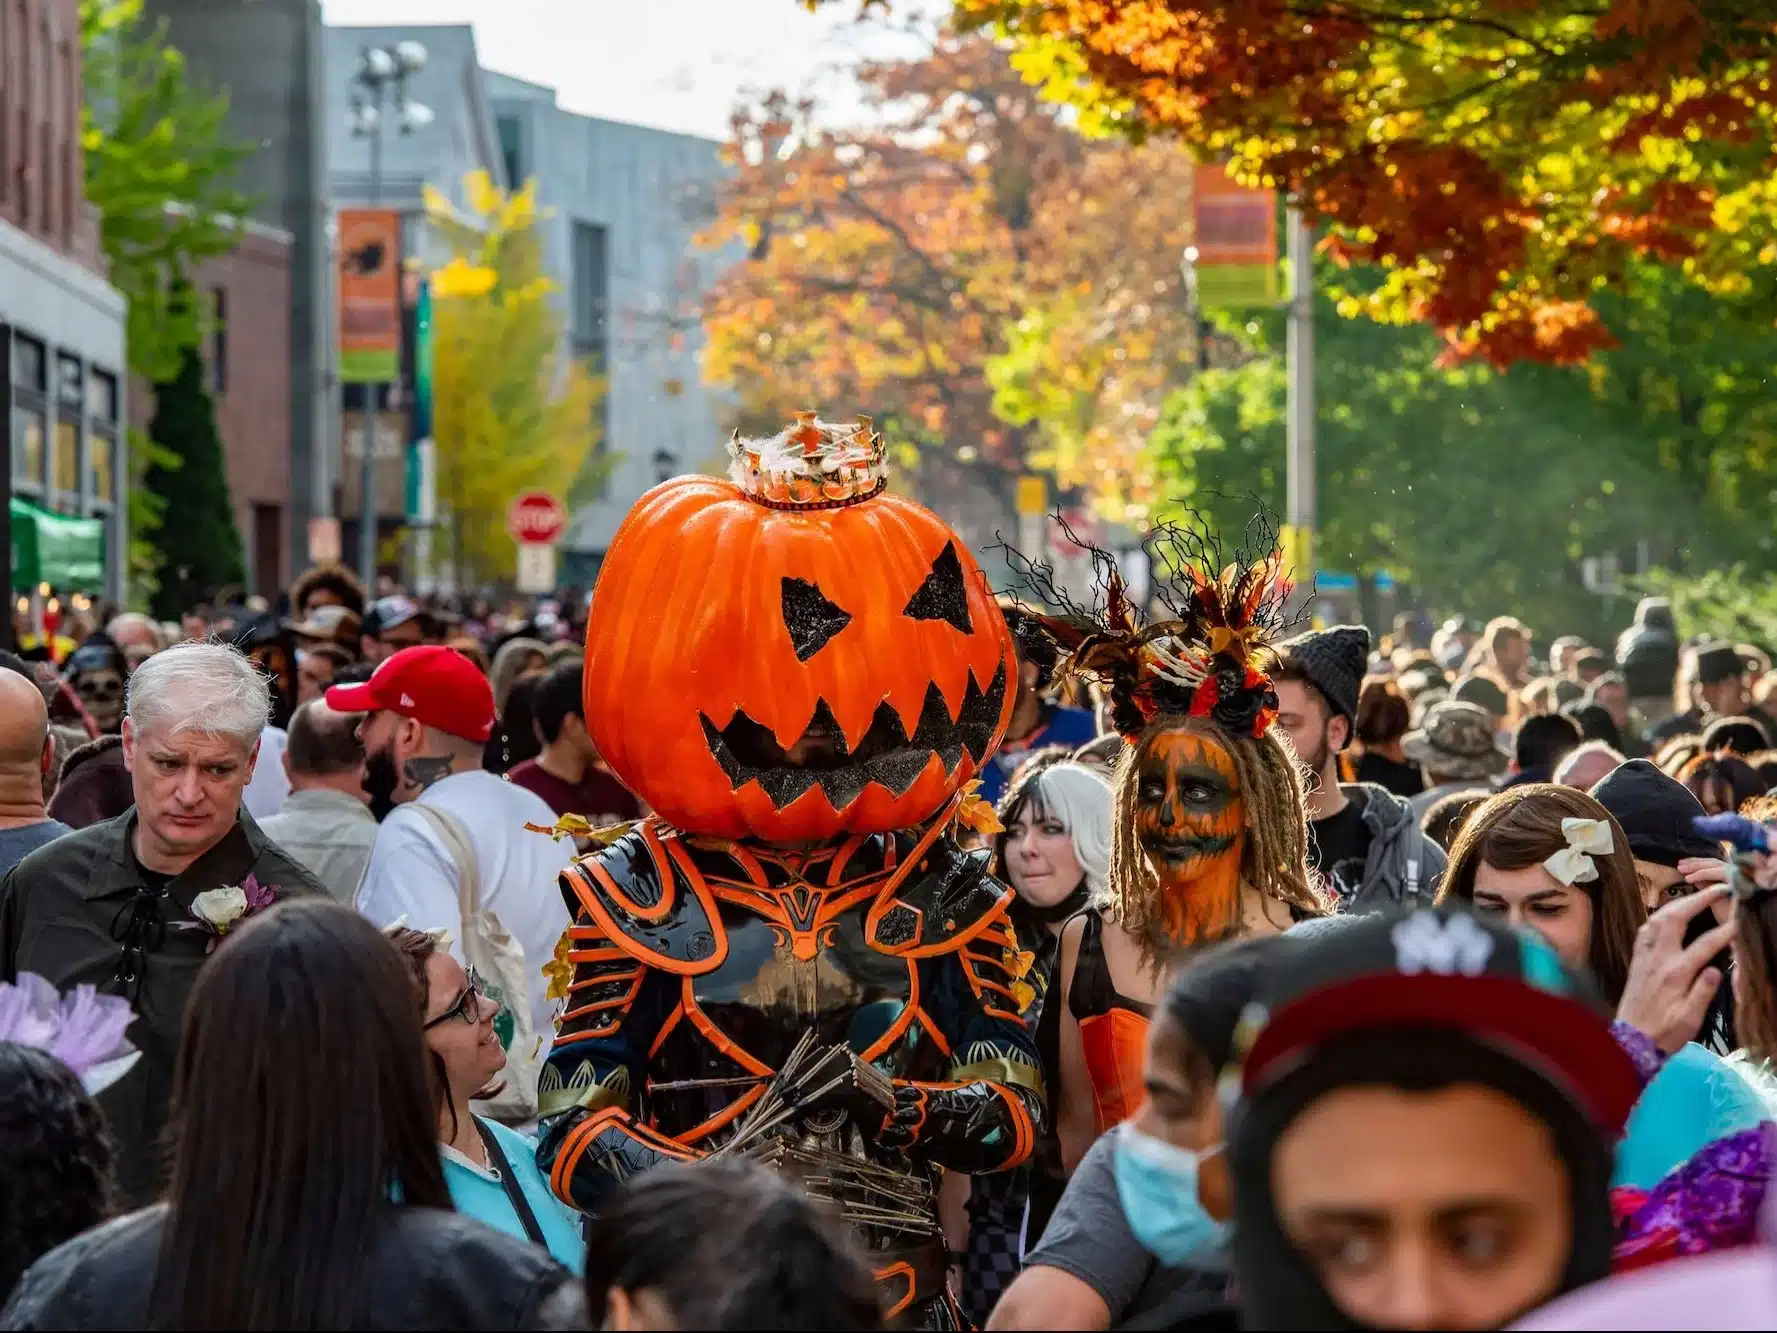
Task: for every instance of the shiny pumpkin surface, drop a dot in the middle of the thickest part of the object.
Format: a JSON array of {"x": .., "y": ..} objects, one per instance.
[
  {"x": 743, "y": 662},
  {"x": 1191, "y": 819}
]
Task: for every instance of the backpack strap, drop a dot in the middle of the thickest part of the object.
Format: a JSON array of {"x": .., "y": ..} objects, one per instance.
[
  {"x": 456, "y": 841},
  {"x": 496, "y": 1157}
]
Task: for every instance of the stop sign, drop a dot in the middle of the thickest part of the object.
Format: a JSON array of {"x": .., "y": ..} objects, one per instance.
[{"x": 536, "y": 517}]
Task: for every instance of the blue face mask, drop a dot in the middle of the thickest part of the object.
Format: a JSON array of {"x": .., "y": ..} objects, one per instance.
[{"x": 1157, "y": 1186}]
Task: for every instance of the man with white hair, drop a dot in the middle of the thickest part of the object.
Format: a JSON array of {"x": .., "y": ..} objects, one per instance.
[
  {"x": 134, "y": 905},
  {"x": 1587, "y": 766},
  {"x": 137, "y": 637}
]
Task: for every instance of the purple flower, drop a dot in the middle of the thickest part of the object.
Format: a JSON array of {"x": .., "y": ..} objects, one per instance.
[
  {"x": 258, "y": 896},
  {"x": 83, "y": 1029}
]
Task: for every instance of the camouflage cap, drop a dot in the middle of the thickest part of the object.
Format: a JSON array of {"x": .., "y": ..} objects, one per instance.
[{"x": 1456, "y": 741}]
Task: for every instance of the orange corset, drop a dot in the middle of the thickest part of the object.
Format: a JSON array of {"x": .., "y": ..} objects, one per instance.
[{"x": 1114, "y": 1043}]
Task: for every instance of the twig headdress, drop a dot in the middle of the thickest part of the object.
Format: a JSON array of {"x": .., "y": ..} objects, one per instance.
[{"x": 1211, "y": 654}]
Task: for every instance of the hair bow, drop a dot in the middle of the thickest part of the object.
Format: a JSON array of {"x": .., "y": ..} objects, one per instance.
[{"x": 1586, "y": 838}]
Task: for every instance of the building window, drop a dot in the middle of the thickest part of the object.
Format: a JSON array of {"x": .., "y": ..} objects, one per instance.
[
  {"x": 27, "y": 448},
  {"x": 219, "y": 342},
  {"x": 102, "y": 436},
  {"x": 511, "y": 132},
  {"x": 27, "y": 364},
  {"x": 67, "y": 457},
  {"x": 592, "y": 288}
]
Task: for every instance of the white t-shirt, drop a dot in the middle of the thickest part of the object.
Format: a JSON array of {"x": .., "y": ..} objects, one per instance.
[
  {"x": 411, "y": 873},
  {"x": 269, "y": 785}
]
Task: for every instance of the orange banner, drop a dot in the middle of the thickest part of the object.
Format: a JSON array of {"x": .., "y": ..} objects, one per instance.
[
  {"x": 369, "y": 295},
  {"x": 1236, "y": 238}
]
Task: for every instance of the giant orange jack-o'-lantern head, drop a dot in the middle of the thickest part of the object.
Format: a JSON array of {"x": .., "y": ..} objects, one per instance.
[
  {"x": 1209, "y": 801},
  {"x": 794, "y": 653}
]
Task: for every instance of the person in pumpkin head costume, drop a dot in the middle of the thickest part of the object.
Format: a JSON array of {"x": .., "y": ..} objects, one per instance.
[
  {"x": 801, "y": 674},
  {"x": 1208, "y": 830}
]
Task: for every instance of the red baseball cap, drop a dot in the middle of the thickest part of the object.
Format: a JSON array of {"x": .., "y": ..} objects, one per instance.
[{"x": 434, "y": 685}]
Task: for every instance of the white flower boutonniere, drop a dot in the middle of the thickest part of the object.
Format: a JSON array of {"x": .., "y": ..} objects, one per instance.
[{"x": 220, "y": 908}]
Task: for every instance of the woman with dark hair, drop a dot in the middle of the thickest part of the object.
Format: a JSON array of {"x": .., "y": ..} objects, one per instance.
[
  {"x": 306, "y": 1190},
  {"x": 724, "y": 1244},
  {"x": 57, "y": 1176},
  {"x": 1383, "y": 717},
  {"x": 491, "y": 1170},
  {"x": 1722, "y": 782},
  {"x": 1556, "y": 860}
]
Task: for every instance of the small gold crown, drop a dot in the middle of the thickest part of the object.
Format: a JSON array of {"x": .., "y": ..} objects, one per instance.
[{"x": 811, "y": 464}]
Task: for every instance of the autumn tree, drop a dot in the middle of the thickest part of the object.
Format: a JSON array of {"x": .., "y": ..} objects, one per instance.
[
  {"x": 512, "y": 411},
  {"x": 1506, "y": 160},
  {"x": 889, "y": 264}
]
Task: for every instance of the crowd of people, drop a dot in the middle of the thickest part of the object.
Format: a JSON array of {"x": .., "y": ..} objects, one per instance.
[{"x": 355, "y": 973}]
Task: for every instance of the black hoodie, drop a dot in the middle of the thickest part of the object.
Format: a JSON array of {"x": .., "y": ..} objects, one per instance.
[{"x": 1656, "y": 813}]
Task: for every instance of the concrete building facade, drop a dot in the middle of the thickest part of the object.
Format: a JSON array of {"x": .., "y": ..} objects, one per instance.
[{"x": 61, "y": 324}]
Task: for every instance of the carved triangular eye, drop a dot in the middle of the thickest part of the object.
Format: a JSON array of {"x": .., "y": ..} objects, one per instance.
[
  {"x": 810, "y": 617},
  {"x": 943, "y": 595}
]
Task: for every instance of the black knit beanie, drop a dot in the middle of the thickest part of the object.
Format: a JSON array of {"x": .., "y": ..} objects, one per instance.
[
  {"x": 1334, "y": 661},
  {"x": 1656, "y": 813}
]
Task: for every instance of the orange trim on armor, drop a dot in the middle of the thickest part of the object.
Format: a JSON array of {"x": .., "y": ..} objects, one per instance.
[
  {"x": 608, "y": 954},
  {"x": 1024, "y": 1129},
  {"x": 588, "y": 869},
  {"x": 904, "y": 868},
  {"x": 925, "y": 1021},
  {"x": 886, "y": 902},
  {"x": 739, "y": 1106},
  {"x": 901, "y": 1269},
  {"x": 621, "y": 1002},
  {"x": 842, "y": 857},
  {"x": 666, "y": 1030},
  {"x": 718, "y": 1038},
  {"x": 574, "y": 1147},
  {"x": 898, "y": 1028}
]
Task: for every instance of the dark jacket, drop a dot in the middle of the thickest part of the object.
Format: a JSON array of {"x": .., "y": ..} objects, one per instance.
[
  {"x": 94, "y": 785},
  {"x": 426, "y": 1269},
  {"x": 1403, "y": 866},
  {"x": 66, "y": 913}
]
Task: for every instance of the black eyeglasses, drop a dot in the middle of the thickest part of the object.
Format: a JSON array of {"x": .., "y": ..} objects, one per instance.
[{"x": 468, "y": 1005}]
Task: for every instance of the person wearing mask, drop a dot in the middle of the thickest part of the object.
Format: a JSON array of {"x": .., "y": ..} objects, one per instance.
[
  {"x": 455, "y": 845},
  {"x": 306, "y": 1187},
  {"x": 1422, "y": 1137},
  {"x": 1457, "y": 749},
  {"x": 1542, "y": 742},
  {"x": 96, "y": 672},
  {"x": 1364, "y": 842},
  {"x": 1055, "y": 851},
  {"x": 1383, "y": 717},
  {"x": 566, "y": 773},
  {"x": 1713, "y": 675},
  {"x": 1555, "y": 860},
  {"x": 133, "y": 904},
  {"x": 1588, "y": 765},
  {"x": 326, "y": 823},
  {"x": 724, "y": 1245},
  {"x": 26, "y": 753},
  {"x": 491, "y": 1170},
  {"x": 1140, "y": 1238},
  {"x": 1036, "y": 720}
]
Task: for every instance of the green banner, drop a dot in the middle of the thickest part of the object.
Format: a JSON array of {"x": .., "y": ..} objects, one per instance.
[{"x": 66, "y": 553}]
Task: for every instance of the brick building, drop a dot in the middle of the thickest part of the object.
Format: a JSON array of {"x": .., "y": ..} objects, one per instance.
[{"x": 61, "y": 323}]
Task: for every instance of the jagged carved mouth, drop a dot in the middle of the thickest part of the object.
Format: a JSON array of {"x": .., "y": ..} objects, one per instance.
[{"x": 886, "y": 755}]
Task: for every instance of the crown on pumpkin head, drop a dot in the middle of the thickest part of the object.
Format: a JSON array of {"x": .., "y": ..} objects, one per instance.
[
  {"x": 811, "y": 464},
  {"x": 1208, "y": 657}
]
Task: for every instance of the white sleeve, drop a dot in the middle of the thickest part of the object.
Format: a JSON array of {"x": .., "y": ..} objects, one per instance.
[{"x": 411, "y": 874}]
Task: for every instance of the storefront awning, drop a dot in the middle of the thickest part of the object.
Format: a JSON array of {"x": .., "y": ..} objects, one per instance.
[{"x": 66, "y": 553}]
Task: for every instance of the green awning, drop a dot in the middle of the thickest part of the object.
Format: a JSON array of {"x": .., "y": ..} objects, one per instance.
[{"x": 66, "y": 553}]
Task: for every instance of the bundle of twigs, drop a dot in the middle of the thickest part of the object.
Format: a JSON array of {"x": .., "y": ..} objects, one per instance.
[
  {"x": 801, "y": 1081},
  {"x": 862, "y": 1192}
]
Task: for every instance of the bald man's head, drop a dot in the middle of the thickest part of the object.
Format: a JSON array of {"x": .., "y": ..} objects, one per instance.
[{"x": 24, "y": 725}]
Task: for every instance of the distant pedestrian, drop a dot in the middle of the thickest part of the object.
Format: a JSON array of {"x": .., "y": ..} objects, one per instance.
[
  {"x": 1457, "y": 749},
  {"x": 26, "y": 752},
  {"x": 326, "y": 822}
]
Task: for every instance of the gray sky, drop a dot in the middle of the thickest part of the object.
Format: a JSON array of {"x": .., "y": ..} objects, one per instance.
[{"x": 673, "y": 64}]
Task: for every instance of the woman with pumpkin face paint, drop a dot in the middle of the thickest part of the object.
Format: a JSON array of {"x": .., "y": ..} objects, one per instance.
[
  {"x": 1208, "y": 832},
  {"x": 801, "y": 674}
]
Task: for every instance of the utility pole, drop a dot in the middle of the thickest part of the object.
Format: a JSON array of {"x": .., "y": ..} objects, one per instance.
[{"x": 1301, "y": 395}]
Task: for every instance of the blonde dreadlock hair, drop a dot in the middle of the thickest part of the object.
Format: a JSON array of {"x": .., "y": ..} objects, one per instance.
[{"x": 1274, "y": 861}]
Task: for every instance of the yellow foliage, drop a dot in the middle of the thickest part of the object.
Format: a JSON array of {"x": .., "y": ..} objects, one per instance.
[{"x": 512, "y": 411}]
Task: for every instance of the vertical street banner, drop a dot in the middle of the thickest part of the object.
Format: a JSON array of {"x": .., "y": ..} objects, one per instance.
[
  {"x": 1235, "y": 234},
  {"x": 369, "y": 295}
]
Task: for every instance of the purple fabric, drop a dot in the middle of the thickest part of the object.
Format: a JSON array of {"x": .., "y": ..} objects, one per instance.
[
  {"x": 1726, "y": 1291},
  {"x": 1647, "y": 1058},
  {"x": 1712, "y": 1202}
]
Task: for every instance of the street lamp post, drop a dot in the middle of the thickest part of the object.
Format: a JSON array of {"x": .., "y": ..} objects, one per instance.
[
  {"x": 1195, "y": 301},
  {"x": 381, "y": 81}
]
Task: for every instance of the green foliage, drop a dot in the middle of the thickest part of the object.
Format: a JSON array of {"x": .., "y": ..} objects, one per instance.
[
  {"x": 1485, "y": 489},
  {"x": 159, "y": 167},
  {"x": 202, "y": 550},
  {"x": 1732, "y": 603}
]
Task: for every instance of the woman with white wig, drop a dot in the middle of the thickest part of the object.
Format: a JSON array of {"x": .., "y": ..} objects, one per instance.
[{"x": 1055, "y": 851}]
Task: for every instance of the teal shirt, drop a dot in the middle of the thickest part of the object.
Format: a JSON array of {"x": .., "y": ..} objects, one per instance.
[
  {"x": 484, "y": 1198},
  {"x": 1695, "y": 1099}
]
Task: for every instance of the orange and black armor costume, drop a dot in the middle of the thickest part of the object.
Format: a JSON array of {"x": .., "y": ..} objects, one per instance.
[{"x": 704, "y": 961}]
